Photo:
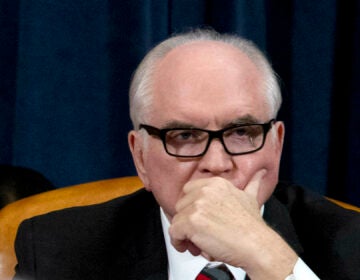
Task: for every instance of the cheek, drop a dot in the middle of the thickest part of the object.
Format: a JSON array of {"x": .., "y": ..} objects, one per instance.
[
  {"x": 270, "y": 180},
  {"x": 166, "y": 177},
  {"x": 267, "y": 187}
]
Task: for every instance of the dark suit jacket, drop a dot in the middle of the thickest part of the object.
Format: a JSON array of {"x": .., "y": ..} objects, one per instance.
[{"x": 123, "y": 239}]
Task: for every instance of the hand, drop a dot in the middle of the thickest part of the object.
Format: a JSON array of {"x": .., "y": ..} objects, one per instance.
[
  {"x": 213, "y": 209},
  {"x": 222, "y": 222}
]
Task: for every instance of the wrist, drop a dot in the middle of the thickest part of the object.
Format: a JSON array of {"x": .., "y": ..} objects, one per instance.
[{"x": 276, "y": 261}]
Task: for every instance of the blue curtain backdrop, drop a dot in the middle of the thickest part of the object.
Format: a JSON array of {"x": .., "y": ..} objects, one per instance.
[{"x": 65, "y": 67}]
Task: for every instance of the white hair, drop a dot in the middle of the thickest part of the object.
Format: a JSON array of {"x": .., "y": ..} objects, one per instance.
[{"x": 140, "y": 87}]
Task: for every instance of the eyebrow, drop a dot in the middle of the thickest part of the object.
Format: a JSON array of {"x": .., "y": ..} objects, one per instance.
[
  {"x": 246, "y": 119},
  {"x": 178, "y": 124}
]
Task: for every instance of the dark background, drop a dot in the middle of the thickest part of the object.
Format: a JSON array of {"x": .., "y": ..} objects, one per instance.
[{"x": 65, "y": 67}]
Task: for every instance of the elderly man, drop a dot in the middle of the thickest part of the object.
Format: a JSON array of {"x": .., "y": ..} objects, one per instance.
[{"x": 207, "y": 146}]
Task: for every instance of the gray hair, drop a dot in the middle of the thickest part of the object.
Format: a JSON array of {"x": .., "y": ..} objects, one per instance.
[{"x": 140, "y": 87}]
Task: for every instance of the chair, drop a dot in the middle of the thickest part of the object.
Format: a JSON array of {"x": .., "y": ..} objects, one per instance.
[
  {"x": 83, "y": 194},
  {"x": 344, "y": 204},
  {"x": 17, "y": 182}
]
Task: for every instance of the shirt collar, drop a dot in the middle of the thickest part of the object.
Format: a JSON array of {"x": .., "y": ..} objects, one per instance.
[{"x": 185, "y": 265}]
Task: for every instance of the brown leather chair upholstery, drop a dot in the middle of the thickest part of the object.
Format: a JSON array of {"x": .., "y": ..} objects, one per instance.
[
  {"x": 344, "y": 204},
  {"x": 83, "y": 194}
]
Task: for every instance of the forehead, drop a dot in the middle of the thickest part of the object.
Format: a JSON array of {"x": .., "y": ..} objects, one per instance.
[{"x": 206, "y": 83}]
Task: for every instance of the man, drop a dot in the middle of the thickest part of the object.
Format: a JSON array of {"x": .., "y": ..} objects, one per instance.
[{"x": 207, "y": 146}]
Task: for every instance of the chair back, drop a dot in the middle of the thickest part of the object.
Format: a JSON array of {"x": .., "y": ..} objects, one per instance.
[
  {"x": 84, "y": 194},
  {"x": 344, "y": 204}
]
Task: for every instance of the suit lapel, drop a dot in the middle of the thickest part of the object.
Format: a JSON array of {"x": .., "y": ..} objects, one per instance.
[
  {"x": 142, "y": 255},
  {"x": 152, "y": 260},
  {"x": 277, "y": 216}
]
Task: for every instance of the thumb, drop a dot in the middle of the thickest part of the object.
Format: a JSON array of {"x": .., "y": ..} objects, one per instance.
[{"x": 252, "y": 188}]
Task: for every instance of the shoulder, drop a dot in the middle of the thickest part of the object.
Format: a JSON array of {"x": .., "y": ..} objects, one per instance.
[
  {"x": 79, "y": 221},
  {"x": 301, "y": 201},
  {"x": 77, "y": 242},
  {"x": 329, "y": 234},
  {"x": 307, "y": 207}
]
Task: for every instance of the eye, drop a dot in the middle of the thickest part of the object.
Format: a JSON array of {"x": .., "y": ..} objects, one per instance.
[
  {"x": 254, "y": 131},
  {"x": 251, "y": 131},
  {"x": 237, "y": 132},
  {"x": 185, "y": 135},
  {"x": 240, "y": 131}
]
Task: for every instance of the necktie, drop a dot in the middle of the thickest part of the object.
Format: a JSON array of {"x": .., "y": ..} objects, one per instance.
[{"x": 220, "y": 272}]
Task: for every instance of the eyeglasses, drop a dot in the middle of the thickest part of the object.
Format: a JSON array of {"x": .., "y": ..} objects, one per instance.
[{"x": 194, "y": 142}]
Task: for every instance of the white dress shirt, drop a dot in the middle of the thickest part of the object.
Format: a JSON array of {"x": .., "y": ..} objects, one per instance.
[{"x": 185, "y": 266}]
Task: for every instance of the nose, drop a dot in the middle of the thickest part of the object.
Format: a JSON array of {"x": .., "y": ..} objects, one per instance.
[{"x": 216, "y": 160}]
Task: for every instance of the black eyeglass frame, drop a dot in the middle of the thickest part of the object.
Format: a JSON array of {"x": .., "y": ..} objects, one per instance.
[{"x": 213, "y": 134}]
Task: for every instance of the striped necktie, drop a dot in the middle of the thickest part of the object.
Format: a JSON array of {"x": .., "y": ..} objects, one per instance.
[{"x": 220, "y": 272}]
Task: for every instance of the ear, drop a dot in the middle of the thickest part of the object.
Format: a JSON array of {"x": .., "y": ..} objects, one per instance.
[
  {"x": 280, "y": 134},
  {"x": 136, "y": 145}
]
